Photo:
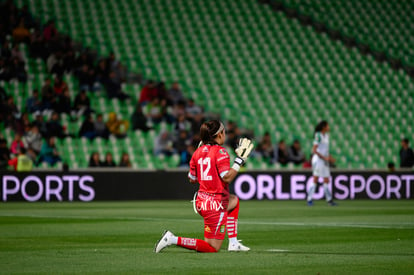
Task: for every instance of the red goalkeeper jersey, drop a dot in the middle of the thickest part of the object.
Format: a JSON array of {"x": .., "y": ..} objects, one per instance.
[{"x": 208, "y": 165}]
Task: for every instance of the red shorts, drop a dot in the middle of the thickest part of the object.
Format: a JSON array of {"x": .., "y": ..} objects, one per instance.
[{"x": 214, "y": 211}]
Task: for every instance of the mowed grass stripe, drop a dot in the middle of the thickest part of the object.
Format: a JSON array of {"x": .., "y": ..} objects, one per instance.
[
  {"x": 358, "y": 237},
  {"x": 16, "y": 219}
]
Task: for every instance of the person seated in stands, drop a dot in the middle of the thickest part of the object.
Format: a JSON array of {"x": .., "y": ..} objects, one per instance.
[
  {"x": 4, "y": 153},
  {"x": 54, "y": 127},
  {"x": 50, "y": 32},
  {"x": 125, "y": 162},
  {"x": 102, "y": 72},
  {"x": 59, "y": 86},
  {"x": 86, "y": 78},
  {"x": 265, "y": 147},
  {"x": 82, "y": 104},
  {"x": 41, "y": 125},
  {"x": 88, "y": 128},
  {"x": 34, "y": 103},
  {"x": 49, "y": 153},
  {"x": 117, "y": 127},
  {"x": 175, "y": 94},
  {"x": 21, "y": 162},
  {"x": 17, "y": 70},
  {"x": 48, "y": 94},
  {"x": 109, "y": 160},
  {"x": 281, "y": 154},
  {"x": 64, "y": 103},
  {"x": 95, "y": 161},
  {"x": 21, "y": 33},
  {"x": 296, "y": 154},
  {"x": 16, "y": 144},
  {"x": 147, "y": 93},
  {"x": 153, "y": 111},
  {"x": 138, "y": 120},
  {"x": 33, "y": 141},
  {"x": 100, "y": 127},
  {"x": 114, "y": 89},
  {"x": 164, "y": 144}
]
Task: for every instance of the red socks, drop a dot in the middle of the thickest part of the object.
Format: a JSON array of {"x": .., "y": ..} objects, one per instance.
[
  {"x": 195, "y": 244},
  {"x": 232, "y": 217}
]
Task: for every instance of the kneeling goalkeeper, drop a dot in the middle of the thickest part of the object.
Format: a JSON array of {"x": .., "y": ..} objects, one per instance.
[{"x": 210, "y": 167}]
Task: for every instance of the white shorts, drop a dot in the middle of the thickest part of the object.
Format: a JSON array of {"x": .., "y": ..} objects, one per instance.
[{"x": 320, "y": 168}]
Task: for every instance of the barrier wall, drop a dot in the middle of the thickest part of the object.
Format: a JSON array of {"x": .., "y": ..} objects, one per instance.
[{"x": 116, "y": 185}]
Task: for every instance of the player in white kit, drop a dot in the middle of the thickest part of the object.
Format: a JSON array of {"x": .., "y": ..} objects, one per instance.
[{"x": 320, "y": 162}]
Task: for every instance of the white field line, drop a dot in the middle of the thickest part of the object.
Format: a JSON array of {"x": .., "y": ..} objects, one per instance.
[
  {"x": 277, "y": 250},
  {"x": 405, "y": 225}
]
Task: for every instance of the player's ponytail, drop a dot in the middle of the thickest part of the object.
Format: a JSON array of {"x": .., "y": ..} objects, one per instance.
[{"x": 209, "y": 131}]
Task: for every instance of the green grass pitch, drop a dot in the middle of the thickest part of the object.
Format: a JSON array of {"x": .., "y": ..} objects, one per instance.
[{"x": 285, "y": 237}]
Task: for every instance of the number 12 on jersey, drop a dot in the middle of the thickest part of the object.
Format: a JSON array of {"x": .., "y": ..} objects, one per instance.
[{"x": 205, "y": 166}]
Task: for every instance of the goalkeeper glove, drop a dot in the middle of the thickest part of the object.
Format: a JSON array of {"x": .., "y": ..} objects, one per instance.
[{"x": 243, "y": 150}]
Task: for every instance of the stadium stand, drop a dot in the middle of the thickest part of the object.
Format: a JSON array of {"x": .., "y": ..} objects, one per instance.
[{"x": 242, "y": 60}]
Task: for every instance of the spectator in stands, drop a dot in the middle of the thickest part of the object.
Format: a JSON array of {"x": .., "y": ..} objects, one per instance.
[
  {"x": 95, "y": 161},
  {"x": 147, "y": 93},
  {"x": 28, "y": 20},
  {"x": 48, "y": 94},
  {"x": 154, "y": 111},
  {"x": 21, "y": 162},
  {"x": 138, "y": 120},
  {"x": 282, "y": 155},
  {"x": 50, "y": 32},
  {"x": 37, "y": 47},
  {"x": 265, "y": 147},
  {"x": 64, "y": 103},
  {"x": 10, "y": 112},
  {"x": 406, "y": 154},
  {"x": 86, "y": 78},
  {"x": 182, "y": 124},
  {"x": 59, "y": 86},
  {"x": 21, "y": 124},
  {"x": 114, "y": 89},
  {"x": 186, "y": 155},
  {"x": 4, "y": 70},
  {"x": 391, "y": 167},
  {"x": 17, "y": 70},
  {"x": 5, "y": 51},
  {"x": 48, "y": 152},
  {"x": 296, "y": 154},
  {"x": 181, "y": 143},
  {"x": 21, "y": 33},
  {"x": 16, "y": 53},
  {"x": 82, "y": 104},
  {"x": 164, "y": 144},
  {"x": 175, "y": 94},
  {"x": 194, "y": 114},
  {"x": 100, "y": 127},
  {"x": 117, "y": 127},
  {"x": 233, "y": 134},
  {"x": 161, "y": 92},
  {"x": 102, "y": 72},
  {"x": 68, "y": 61},
  {"x": 54, "y": 127},
  {"x": 4, "y": 153},
  {"x": 125, "y": 162},
  {"x": 179, "y": 109},
  {"x": 88, "y": 128},
  {"x": 109, "y": 160},
  {"x": 34, "y": 103},
  {"x": 33, "y": 141},
  {"x": 16, "y": 144},
  {"x": 41, "y": 125}
]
